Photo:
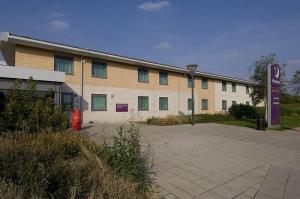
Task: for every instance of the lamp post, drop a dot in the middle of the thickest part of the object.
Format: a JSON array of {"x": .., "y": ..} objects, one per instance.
[{"x": 192, "y": 69}]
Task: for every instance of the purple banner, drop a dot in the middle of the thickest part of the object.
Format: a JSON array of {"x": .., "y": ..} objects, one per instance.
[
  {"x": 121, "y": 107},
  {"x": 275, "y": 93}
]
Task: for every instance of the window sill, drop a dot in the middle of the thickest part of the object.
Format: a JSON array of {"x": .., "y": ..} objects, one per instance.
[{"x": 99, "y": 77}]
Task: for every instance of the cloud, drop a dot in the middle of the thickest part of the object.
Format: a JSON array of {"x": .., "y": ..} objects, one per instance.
[
  {"x": 231, "y": 55},
  {"x": 59, "y": 25},
  {"x": 164, "y": 45},
  {"x": 293, "y": 62},
  {"x": 241, "y": 31},
  {"x": 152, "y": 7}
]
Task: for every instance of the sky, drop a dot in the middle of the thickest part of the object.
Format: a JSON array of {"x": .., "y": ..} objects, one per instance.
[{"x": 222, "y": 36}]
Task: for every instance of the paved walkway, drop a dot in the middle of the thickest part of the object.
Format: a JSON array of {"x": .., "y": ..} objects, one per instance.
[{"x": 219, "y": 161}]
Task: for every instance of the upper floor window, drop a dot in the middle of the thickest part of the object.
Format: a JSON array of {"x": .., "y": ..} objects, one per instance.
[
  {"x": 99, "y": 69},
  {"x": 143, "y": 75},
  {"x": 190, "y": 82},
  {"x": 233, "y": 87},
  {"x": 204, "y": 83},
  {"x": 163, "y": 78},
  {"x": 247, "y": 89},
  {"x": 224, "y": 86},
  {"x": 63, "y": 64},
  {"x": 204, "y": 104}
]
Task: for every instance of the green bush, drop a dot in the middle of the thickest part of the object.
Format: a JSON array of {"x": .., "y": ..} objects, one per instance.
[
  {"x": 243, "y": 111},
  {"x": 58, "y": 165},
  {"x": 127, "y": 159},
  {"x": 28, "y": 111}
]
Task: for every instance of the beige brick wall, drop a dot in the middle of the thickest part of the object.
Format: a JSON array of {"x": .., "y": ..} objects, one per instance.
[{"x": 119, "y": 75}]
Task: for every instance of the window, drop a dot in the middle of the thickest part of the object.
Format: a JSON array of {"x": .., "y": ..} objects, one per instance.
[
  {"x": 233, "y": 87},
  {"x": 224, "y": 105},
  {"x": 233, "y": 103},
  {"x": 204, "y": 84},
  {"x": 247, "y": 89},
  {"x": 63, "y": 64},
  {"x": 163, "y": 78},
  {"x": 204, "y": 104},
  {"x": 247, "y": 103},
  {"x": 99, "y": 69},
  {"x": 163, "y": 103},
  {"x": 67, "y": 101},
  {"x": 143, "y": 103},
  {"x": 190, "y": 104},
  {"x": 99, "y": 102},
  {"x": 143, "y": 76},
  {"x": 190, "y": 82},
  {"x": 224, "y": 86}
]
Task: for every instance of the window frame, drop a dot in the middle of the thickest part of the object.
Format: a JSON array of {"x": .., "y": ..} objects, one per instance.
[
  {"x": 143, "y": 69},
  {"x": 233, "y": 103},
  {"x": 98, "y": 62},
  {"x": 225, "y": 84},
  {"x": 102, "y": 95},
  {"x": 167, "y": 75},
  {"x": 247, "y": 89},
  {"x": 64, "y": 57},
  {"x": 188, "y": 82},
  {"x": 206, "y": 85},
  {"x": 225, "y": 105},
  {"x": 233, "y": 85},
  {"x": 145, "y": 97},
  {"x": 206, "y": 108},
  {"x": 163, "y": 109}
]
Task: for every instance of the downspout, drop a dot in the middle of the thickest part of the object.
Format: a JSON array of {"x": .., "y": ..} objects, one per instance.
[{"x": 81, "y": 88}]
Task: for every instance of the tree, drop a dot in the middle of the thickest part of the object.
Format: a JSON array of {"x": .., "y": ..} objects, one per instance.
[
  {"x": 295, "y": 83},
  {"x": 260, "y": 78}
]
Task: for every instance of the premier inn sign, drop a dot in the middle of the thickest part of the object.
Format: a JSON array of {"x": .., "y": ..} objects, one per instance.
[{"x": 273, "y": 95}]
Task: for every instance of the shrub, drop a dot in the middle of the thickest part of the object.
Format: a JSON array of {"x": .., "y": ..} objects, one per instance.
[
  {"x": 58, "y": 165},
  {"x": 127, "y": 159},
  {"x": 243, "y": 111},
  {"x": 290, "y": 109},
  {"x": 28, "y": 111}
]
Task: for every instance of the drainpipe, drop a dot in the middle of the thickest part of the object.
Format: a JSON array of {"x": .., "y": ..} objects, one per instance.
[{"x": 81, "y": 88}]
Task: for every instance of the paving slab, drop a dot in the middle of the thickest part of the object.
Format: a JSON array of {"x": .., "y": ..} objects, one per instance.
[{"x": 219, "y": 161}]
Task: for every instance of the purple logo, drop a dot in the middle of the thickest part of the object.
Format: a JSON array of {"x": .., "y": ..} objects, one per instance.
[
  {"x": 275, "y": 75},
  {"x": 121, "y": 107}
]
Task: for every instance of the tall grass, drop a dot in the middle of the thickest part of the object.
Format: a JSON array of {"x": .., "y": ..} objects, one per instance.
[{"x": 58, "y": 165}]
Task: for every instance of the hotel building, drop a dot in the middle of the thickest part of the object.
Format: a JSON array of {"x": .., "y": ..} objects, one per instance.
[{"x": 112, "y": 88}]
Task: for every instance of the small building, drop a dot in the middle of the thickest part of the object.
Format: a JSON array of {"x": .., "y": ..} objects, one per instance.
[{"x": 112, "y": 88}]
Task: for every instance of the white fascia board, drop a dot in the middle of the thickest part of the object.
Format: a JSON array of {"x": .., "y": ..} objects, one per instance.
[
  {"x": 12, "y": 72},
  {"x": 91, "y": 53}
]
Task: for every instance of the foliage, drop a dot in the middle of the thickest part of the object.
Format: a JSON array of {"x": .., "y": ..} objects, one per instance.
[
  {"x": 127, "y": 159},
  {"x": 30, "y": 111},
  {"x": 186, "y": 119},
  {"x": 58, "y": 165},
  {"x": 243, "y": 111},
  {"x": 260, "y": 77},
  {"x": 2, "y": 102},
  {"x": 290, "y": 109},
  {"x": 295, "y": 83},
  {"x": 285, "y": 98}
]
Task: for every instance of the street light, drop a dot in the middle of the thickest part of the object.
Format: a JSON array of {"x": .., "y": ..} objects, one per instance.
[{"x": 192, "y": 69}]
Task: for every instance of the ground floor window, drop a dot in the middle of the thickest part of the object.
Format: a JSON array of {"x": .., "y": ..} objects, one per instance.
[
  {"x": 247, "y": 103},
  {"x": 204, "y": 104},
  {"x": 143, "y": 103},
  {"x": 99, "y": 102},
  {"x": 224, "y": 105},
  {"x": 190, "y": 104},
  {"x": 233, "y": 103},
  {"x": 67, "y": 101},
  {"x": 163, "y": 103}
]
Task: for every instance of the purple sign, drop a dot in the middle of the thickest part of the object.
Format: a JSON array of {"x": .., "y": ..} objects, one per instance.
[
  {"x": 274, "y": 94},
  {"x": 121, "y": 107}
]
